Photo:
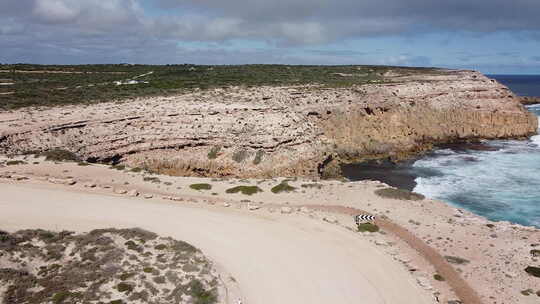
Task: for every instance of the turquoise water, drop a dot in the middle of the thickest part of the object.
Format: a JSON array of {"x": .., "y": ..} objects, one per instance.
[{"x": 500, "y": 185}]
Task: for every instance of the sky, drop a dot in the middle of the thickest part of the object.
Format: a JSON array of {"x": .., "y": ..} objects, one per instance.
[{"x": 492, "y": 36}]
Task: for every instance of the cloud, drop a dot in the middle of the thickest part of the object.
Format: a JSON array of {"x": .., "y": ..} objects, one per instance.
[
  {"x": 55, "y": 11},
  {"x": 112, "y": 30}
]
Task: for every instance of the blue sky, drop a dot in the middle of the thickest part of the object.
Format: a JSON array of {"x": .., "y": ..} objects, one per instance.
[{"x": 495, "y": 36}]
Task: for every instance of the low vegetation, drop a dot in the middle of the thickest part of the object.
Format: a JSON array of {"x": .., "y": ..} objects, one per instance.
[
  {"x": 56, "y": 85},
  {"x": 258, "y": 157},
  {"x": 72, "y": 268},
  {"x": 152, "y": 179},
  {"x": 200, "y": 187},
  {"x": 15, "y": 162},
  {"x": 282, "y": 187},
  {"x": 399, "y": 194},
  {"x": 213, "y": 154},
  {"x": 368, "y": 227},
  {"x": 240, "y": 155},
  {"x": 60, "y": 155},
  {"x": 438, "y": 277},
  {"x": 247, "y": 190},
  {"x": 456, "y": 260},
  {"x": 312, "y": 185},
  {"x": 534, "y": 271}
]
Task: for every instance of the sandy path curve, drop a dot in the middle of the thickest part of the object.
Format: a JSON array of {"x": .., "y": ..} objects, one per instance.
[{"x": 274, "y": 258}]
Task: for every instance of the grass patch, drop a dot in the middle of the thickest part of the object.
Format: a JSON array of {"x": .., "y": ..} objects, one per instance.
[
  {"x": 247, "y": 190},
  {"x": 399, "y": 194},
  {"x": 213, "y": 154},
  {"x": 200, "y": 187},
  {"x": 535, "y": 253},
  {"x": 136, "y": 170},
  {"x": 368, "y": 227},
  {"x": 282, "y": 187}
]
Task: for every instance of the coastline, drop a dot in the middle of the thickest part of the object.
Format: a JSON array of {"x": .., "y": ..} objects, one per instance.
[{"x": 445, "y": 229}]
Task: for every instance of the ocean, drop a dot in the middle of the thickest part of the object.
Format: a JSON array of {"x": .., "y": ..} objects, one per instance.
[{"x": 501, "y": 183}]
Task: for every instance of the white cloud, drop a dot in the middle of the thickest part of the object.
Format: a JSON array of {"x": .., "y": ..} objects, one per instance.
[{"x": 55, "y": 11}]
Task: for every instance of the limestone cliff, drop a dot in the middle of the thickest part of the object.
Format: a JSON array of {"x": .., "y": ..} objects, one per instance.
[{"x": 276, "y": 131}]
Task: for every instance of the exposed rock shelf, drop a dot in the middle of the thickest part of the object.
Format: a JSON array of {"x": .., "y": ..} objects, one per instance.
[{"x": 270, "y": 131}]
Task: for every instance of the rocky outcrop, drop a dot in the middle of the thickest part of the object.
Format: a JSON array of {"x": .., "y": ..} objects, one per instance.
[
  {"x": 530, "y": 100},
  {"x": 276, "y": 131}
]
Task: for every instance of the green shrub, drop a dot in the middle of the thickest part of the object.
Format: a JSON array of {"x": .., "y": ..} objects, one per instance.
[
  {"x": 126, "y": 275},
  {"x": 534, "y": 271},
  {"x": 118, "y": 167},
  {"x": 213, "y": 154},
  {"x": 240, "y": 155},
  {"x": 399, "y": 194},
  {"x": 200, "y": 187},
  {"x": 136, "y": 170},
  {"x": 60, "y": 155},
  {"x": 160, "y": 247},
  {"x": 15, "y": 162},
  {"x": 527, "y": 292},
  {"x": 282, "y": 187},
  {"x": 148, "y": 269},
  {"x": 247, "y": 190},
  {"x": 535, "y": 253},
  {"x": 200, "y": 294},
  {"x": 367, "y": 227},
  {"x": 438, "y": 277},
  {"x": 154, "y": 180},
  {"x": 60, "y": 297},
  {"x": 124, "y": 287},
  {"x": 258, "y": 157}
]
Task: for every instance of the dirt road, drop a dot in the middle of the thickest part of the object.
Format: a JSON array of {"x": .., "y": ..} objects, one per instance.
[{"x": 274, "y": 258}]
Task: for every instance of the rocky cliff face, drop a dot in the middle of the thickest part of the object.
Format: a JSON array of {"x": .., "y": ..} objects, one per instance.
[{"x": 276, "y": 131}]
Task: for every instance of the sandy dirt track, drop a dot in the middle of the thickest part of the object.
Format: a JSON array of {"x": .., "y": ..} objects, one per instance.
[{"x": 274, "y": 258}]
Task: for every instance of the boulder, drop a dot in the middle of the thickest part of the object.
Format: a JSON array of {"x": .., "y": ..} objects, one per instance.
[
  {"x": 62, "y": 181},
  {"x": 253, "y": 207},
  {"x": 120, "y": 191},
  {"x": 133, "y": 193},
  {"x": 330, "y": 219}
]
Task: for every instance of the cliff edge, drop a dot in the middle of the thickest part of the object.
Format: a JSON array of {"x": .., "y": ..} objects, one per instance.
[{"x": 277, "y": 131}]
